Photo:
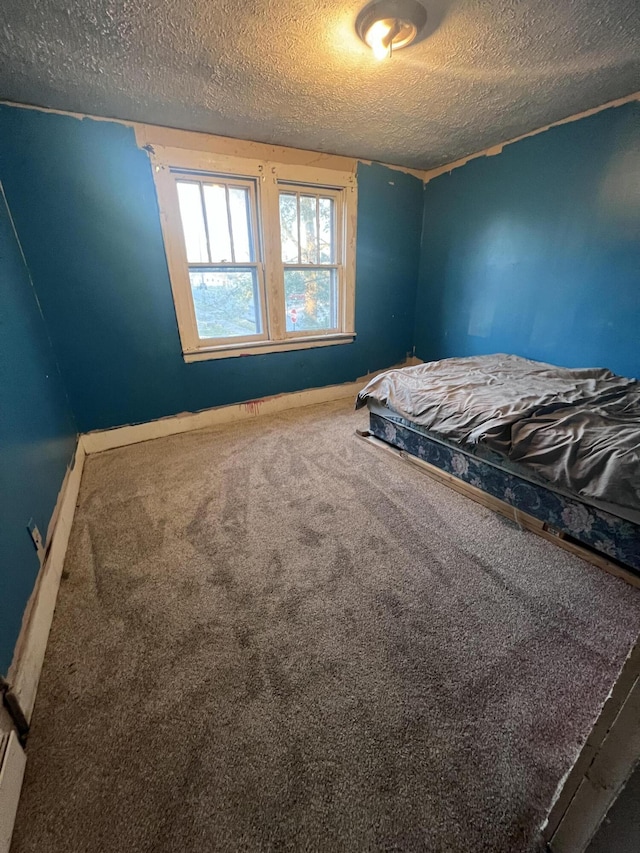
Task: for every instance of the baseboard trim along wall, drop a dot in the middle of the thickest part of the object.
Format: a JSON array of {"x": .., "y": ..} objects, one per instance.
[
  {"x": 24, "y": 673},
  {"x": 25, "y": 670},
  {"x": 603, "y": 767},
  {"x": 108, "y": 439},
  {"x": 12, "y": 764}
]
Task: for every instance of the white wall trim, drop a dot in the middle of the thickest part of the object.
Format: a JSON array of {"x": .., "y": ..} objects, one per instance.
[
  {"x": 202, "y": 141},
  {"x": 100, "y": 440},
  {"x": 25, "y": 669},
  {"x": 429, "y": 174},
  {"x": 264, "y": 347},
  {"x": 199, "y": 140},
  {"x": 12, "y": 764},
  {"x": 605, "y": 763},
  {"x": 24, "y": 672}
]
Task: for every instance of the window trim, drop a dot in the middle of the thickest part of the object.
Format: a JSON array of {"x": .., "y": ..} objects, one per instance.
[{"x": 166, "y": 162}]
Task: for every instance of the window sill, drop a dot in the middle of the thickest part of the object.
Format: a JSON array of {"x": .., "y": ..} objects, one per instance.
[{"x": 267, "y": 346}]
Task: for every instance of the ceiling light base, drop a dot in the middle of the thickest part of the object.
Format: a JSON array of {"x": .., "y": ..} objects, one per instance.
[{"x": 386, "y": 25}]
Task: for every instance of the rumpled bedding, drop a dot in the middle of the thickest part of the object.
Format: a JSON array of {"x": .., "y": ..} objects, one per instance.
[
  {"x": 576, "y": 428},
  {"x": 592, "y": 450}
]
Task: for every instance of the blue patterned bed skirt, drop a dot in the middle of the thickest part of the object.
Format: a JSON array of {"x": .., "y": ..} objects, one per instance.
[{"x": 615, "y": 538}]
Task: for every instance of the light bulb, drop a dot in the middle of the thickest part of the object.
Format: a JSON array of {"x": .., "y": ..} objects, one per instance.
[
  {"x": 378, "y": 41},
  {"x": 389, "y": 25}
]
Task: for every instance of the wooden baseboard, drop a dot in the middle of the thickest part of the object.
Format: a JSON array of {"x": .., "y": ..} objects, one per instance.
[
  {"x": 25, "y": 669},
  {"x": 12, "y": 764},
  {"x": 529, "y": 522},
  {"x": 600, "y": 770},
  {"x": 24, "y": 673},
  {"x": 96, "y": 442}
]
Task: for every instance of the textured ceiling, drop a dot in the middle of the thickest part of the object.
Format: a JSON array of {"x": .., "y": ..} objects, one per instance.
[{"x": 293, "y": 72}]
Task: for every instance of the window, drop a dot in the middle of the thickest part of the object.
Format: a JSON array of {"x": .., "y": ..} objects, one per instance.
[
  {"x": 219, "y": 227},
  {"x": 261, "y": 255},
  {"x": 309, "y": 236}
]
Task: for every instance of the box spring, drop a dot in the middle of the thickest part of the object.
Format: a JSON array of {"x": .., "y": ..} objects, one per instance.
[{"x": 613, "y": 537}]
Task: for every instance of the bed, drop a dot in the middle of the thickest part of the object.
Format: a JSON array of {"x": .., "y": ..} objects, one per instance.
[{"x": 557, "y": 446}]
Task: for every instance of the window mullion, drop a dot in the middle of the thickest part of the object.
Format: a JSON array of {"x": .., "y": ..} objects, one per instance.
[
  {"x": 274, "y": 273},
  {"x": 242, "y": 265},
  {"x": 318, "y": 229},
  {"x": 205, "y": 219},
  {"x": 339, "y": 250},
  {"x": 311, "y": 266},
  {"x": 229, "y": 222},
  {"x": 298, "y": 224}
]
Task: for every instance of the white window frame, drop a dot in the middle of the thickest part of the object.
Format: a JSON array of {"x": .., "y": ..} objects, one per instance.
[
  {"x": 169, "y": 164},
  {"x": 228, "y": 181}
]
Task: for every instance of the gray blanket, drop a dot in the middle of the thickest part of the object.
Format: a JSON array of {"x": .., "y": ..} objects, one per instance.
[
  {"x": 591, "y": 450},
  {"x": 535, "y": 413},
  {"x": 478, "y": 398}
]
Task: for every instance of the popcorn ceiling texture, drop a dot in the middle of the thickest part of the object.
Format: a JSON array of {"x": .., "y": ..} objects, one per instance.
[{"x": 294, "y": 73}]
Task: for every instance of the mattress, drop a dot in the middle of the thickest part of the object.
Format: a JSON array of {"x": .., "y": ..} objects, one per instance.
[{"x": 576, "y": 430}]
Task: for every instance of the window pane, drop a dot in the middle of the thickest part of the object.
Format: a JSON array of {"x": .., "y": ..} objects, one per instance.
[
  {"x": 195, "y": 236},
  {"x": 308, "y": 230},
  {"x": 226, "y": 302},
  {"x": 289, "y": 227},
  {"x": 240, "y": 208},
  {"x": 215, "y": 201},
  {"x": 310, "y": 300},
  {"x": 327, "y": 230}
]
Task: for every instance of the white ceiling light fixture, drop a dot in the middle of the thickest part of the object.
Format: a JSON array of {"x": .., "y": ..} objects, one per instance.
[{"x": 386, "y": 25}]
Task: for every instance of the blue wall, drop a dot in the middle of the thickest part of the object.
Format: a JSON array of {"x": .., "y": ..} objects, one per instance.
[
  {"x": 536, "y": 251},
  {"x": 84, "y": 203},
  {"x": 37, "y": 434}
]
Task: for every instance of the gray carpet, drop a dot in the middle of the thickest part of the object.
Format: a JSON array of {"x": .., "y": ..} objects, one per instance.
[{"x": 272, "y": 636}]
